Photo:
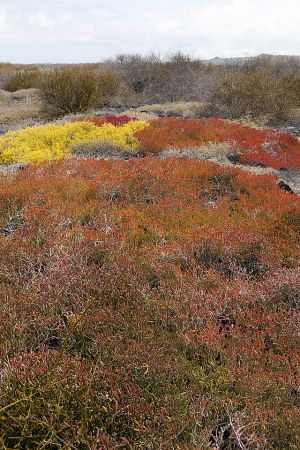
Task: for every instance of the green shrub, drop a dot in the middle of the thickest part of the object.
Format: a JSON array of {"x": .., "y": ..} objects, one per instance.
[{"x": 68, "y": 90}]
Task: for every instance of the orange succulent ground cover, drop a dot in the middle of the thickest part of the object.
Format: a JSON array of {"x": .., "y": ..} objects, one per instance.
[
  {"x": 148, "y": 304},
  {"x": 257, "y": 146}
]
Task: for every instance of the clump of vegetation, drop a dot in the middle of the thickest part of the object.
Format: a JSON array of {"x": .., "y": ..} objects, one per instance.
[
  {"x": 114, "y": 120},
  {"x": 22, "y": 79},
  {"x": 159, "y": 306},
  {"x": 264, "y": 147},
  {"x": 36, "y": 144},
  {"x": 256, "y": 95},
  {"x": 68, "y": 90},
  {"x": 104, "y": 148},
  {"x": 108, "y": 84},
  {"x": 262, "y": 87},
  {"x": 242, "y": 144}
]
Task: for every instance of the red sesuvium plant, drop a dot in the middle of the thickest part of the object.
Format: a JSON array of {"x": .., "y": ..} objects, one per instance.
[
  {"x": 114, "y": 120},
  {"x": 257, "y": 146},
  {"x": 148, "y": 304}
]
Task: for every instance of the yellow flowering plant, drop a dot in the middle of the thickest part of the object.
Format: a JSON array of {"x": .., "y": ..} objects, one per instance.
[{"x": 47, "y": 142}]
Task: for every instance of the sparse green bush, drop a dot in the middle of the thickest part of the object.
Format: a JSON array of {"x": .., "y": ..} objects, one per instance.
[
  {"x": 66, "y": 90},
  {"x": 75, "y": 89}
]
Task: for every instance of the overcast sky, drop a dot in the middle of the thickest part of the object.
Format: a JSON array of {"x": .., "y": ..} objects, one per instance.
[{"x": 90, "y": 30}]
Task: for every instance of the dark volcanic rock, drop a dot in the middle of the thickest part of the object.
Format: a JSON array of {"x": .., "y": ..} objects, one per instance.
[
  {"x": 285, "y": 187},
  {"x": 234, "y": 158}
]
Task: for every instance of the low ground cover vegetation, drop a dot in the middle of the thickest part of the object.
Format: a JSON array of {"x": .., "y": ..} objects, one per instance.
[
  {"x": 150, "y": 299},
  {"x": 255, "y": 147},
  {"x": 148, "y": 304},
  {"x": 36, "y": 144}
]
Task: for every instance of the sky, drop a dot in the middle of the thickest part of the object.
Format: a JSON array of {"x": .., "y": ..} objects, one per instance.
[{"x": 70, "y": 31}]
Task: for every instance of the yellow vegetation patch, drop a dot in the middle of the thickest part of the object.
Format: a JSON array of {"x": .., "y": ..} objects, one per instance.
[{"x": 37, "y": 144}]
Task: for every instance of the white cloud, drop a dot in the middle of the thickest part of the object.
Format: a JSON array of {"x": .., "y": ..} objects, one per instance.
[
  {"x": 78, "y": 30},
  {"x": 4, "y": 28},
  {"x": 41, "y": 20}
]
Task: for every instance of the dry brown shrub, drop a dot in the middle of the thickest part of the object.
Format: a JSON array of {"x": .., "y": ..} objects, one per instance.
[
  {"x": 72, "y": 89},
  {"x": 22, "y": 79},
  {"x": 256, "y": 95}
]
